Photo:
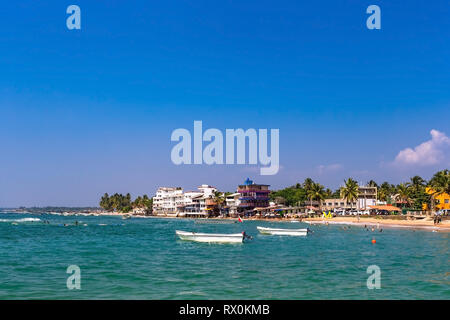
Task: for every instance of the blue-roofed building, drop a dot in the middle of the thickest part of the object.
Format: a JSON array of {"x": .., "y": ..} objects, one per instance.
[{"x": 253, "y": 195}]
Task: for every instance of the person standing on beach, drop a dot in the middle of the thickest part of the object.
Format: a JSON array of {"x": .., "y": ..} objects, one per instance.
[{"x": 437, "y": 217}]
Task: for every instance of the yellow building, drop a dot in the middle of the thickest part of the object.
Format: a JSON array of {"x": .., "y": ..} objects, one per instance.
[{"x": 442, "y": 200}]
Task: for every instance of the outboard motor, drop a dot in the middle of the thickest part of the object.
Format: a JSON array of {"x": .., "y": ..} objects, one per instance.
[{"x": 246, "y": 236}]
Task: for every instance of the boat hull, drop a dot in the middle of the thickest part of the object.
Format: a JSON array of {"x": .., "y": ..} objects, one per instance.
[
  {"x": 210, "y": 237},
  {"x": 283, "y": 232}
]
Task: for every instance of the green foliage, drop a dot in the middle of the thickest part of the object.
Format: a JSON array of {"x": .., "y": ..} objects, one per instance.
[
  {"x": 440, "y": 182},
  {"x": 336, "y": 194},
  {"x": 219, "y": 198},
  {"x": 316, "y": 192},
  {"x": 123, "y": 204},
  {"x": 350, "y": 191},
  {"x": 291, "y": 196},
  {"x": 403, "y": 193},
  {"x": 417, "y": 193},
  {"x": 413, "y": 192},
  {"x": 372, "y": 183},
  {"x": 386, "y": 191}
]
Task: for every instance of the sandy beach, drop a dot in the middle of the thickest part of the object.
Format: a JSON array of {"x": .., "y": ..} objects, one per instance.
[{"x": 426, "y": 223}]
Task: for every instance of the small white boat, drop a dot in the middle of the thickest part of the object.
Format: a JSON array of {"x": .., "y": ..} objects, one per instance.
[
  {"x": 126, "y": 217},
  {"x": 283, "y": 232},
  {"x": 211, "y": 237}
]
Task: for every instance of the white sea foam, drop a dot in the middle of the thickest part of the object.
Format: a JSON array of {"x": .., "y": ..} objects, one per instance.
[{"x": 21, "y": 220}]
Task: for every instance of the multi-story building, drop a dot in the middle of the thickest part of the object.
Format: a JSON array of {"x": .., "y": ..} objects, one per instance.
[
  {"x": 232, "y": 203},
  {"x": 191, "y": 201},
  {"x": 253, "y": 195},
  {"x": 442, "y": 201},
  {"x": 167, "y": 200},
  {"x": 338, "y": 204},
  {"x": 367, "y": 196},
  {"x": 207, "y": 191}
]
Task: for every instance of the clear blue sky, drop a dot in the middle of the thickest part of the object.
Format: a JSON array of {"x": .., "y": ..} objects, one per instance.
[{"x": 83, "y": 112}]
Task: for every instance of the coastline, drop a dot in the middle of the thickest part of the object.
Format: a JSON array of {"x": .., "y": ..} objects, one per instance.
[{"x": 424, "y": 224}]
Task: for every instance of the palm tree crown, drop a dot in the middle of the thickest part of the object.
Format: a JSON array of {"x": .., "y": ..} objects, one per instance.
[
  {"x": 316, "y": 192},
  {"x": 350, "y": 191}
]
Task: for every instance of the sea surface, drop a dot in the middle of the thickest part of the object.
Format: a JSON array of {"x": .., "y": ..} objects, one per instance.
[{"x": 141, "y": 258}]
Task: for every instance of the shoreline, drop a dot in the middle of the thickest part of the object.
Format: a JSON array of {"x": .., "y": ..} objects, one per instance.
[
  {"x": 444, "y": 226},
  {"x": 424, "y": 224}
]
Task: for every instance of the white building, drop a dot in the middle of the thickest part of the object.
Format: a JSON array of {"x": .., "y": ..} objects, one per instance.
[
  {"x": 167, "y": 199},
  {"x": 367, "y": 196},
  {"x": 206, "y": 190},
  {"x": 198, "y": 203},
  {"x": 232, "y": 202}
]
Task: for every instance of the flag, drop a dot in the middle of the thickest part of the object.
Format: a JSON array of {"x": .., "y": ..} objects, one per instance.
[{"x": 239, "y": 219}]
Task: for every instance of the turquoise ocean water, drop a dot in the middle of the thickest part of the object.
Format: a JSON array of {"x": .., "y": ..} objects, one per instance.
[{"x": 141, "y": 258}]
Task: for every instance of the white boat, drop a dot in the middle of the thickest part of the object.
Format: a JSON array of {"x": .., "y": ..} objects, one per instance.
[
  {"x": 283, "y": 232},
  {"x": 211, "y": 237}
]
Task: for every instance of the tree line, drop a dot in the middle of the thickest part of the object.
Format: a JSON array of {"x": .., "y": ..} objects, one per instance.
[
  {"x": 122, "y": 203},
  {"x": 412, "y": 193}
]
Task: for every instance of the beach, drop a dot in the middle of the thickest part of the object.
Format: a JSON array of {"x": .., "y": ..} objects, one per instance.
[{"x": 426, "y": 223}]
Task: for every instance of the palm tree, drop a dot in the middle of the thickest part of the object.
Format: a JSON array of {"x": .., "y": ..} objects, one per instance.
[
  {"x": 385, "y": 191},
  {"x": 307, "y": 184},
  {"x": 440, "y": 184},
  {"x": 350, "y": 191},
  {"x": 403, "y": 193},
  {"x": 137, "y": 203},
  {"x": 105, "y": 202},
  {"x": 382, "y": 194},
  {"x": 316, "y": 192},
  {"x": 372, "y": 183},
  {"x": 416, "y": 184},
  {"x": 219, "y": 199}
]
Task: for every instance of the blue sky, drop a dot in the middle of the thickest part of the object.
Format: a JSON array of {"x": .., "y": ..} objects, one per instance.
[{"x": 83, "y": 112}]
